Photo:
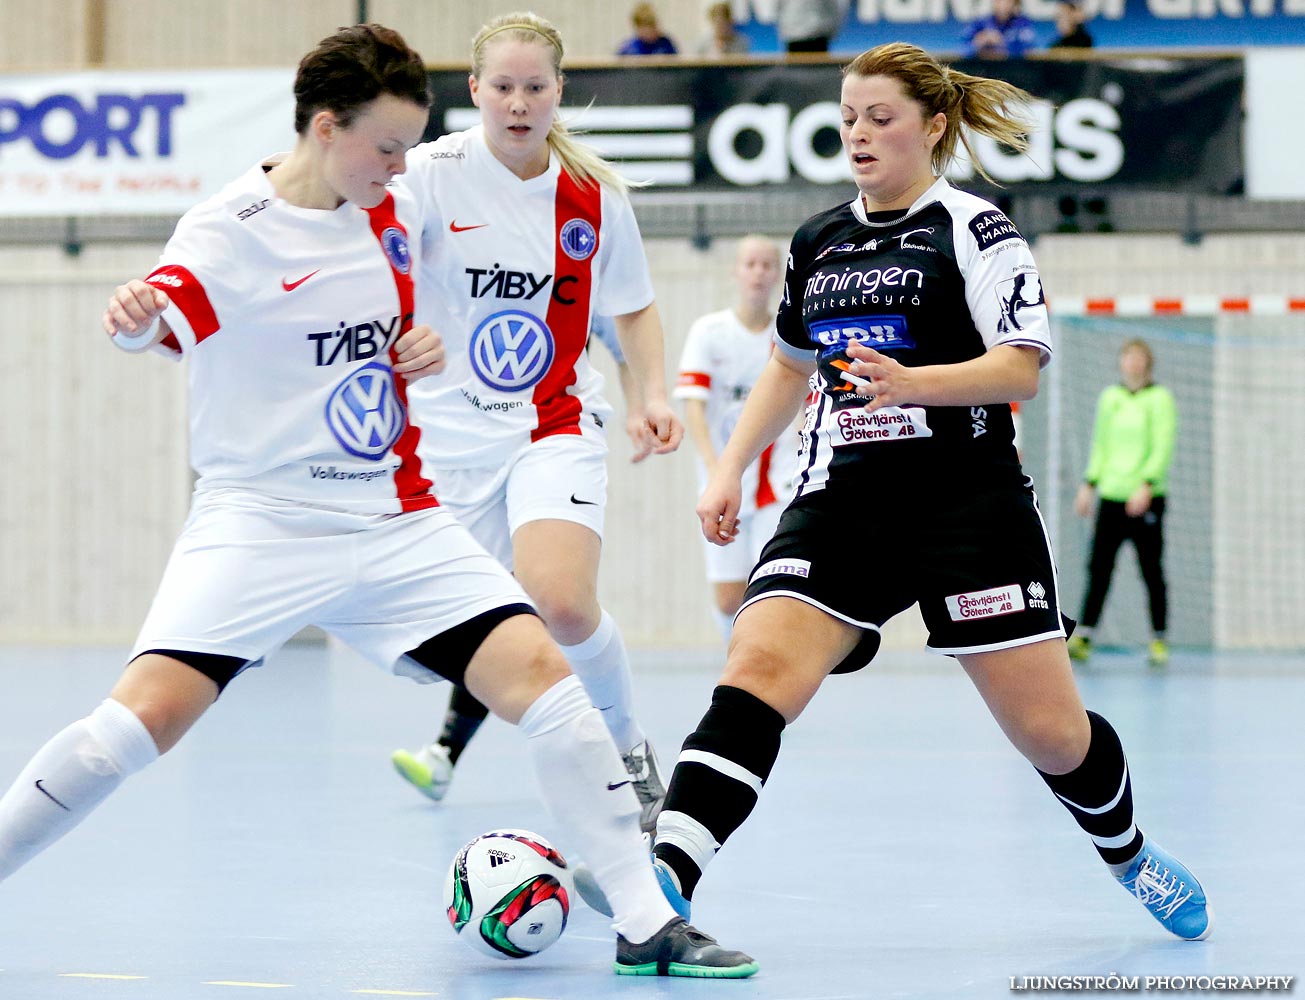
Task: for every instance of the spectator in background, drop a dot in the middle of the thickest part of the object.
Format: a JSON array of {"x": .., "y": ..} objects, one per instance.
[
  {"x": 1003, "y": 34},
  {"x": 648, "y": 39},
  {"x": 1132, "y": 447},
  {"x": 810, "y": 25},
  {"x": 724, "y": 39},
  {"x": 1070, "y": 33}
]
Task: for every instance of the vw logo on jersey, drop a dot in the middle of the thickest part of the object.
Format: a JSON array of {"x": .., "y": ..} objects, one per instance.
[
  {"x": 395, "y": 245},
  {"x": 578, "y": 239},
  {"x": 364, "y": 412},
  {"x": 511, "y": 350}
]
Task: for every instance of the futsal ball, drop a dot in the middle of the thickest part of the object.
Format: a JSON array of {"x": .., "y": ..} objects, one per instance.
[{"x": 508, "y": 894}]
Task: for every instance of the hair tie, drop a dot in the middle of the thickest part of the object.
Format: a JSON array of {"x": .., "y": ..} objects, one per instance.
[{"x": 518, "y": 26}]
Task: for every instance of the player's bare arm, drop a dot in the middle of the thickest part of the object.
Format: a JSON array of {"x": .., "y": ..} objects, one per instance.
[
  {"x": 640, "y": 334},
  {"x": 771, "y": 405},
  {"x": 1003, "y": 374},
  {"x": 695, "y": 421}
]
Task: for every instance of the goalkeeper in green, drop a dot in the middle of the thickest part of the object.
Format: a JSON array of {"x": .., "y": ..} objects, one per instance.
[{"x": 1132, "y": 448}]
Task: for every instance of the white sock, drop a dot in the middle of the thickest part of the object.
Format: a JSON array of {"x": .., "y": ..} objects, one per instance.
[
  {"x": 68, "y": 777},
  {"x": 683, "y": 831},
  {"x": 585, "y": 785},
  {"x": 604, "y": 669},
  {"x": 725, "y": 623}
]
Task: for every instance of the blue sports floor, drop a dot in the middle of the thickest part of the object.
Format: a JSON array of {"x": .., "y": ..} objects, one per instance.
[{"x": 901, "y": 848}]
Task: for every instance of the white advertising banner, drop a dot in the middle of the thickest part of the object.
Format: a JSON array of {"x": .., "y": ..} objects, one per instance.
[
  {"x": 1275, "y": 141},
  {"x": 147, "y": 143}
]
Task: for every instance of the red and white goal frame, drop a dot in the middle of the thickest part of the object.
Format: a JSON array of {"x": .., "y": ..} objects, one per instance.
[{"x": 1188, "y": 305}]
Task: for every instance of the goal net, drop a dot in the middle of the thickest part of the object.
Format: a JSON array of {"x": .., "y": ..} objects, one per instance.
[{"x": 1235, "y": 520}]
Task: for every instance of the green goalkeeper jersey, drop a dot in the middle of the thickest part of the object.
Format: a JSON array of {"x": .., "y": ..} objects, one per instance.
[{"x": 1133, "y": 441}]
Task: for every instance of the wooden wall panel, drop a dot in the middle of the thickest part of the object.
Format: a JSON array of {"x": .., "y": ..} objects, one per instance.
[
  {"x": 157, "y": 34},
  {"x": 42, "y": 36}
]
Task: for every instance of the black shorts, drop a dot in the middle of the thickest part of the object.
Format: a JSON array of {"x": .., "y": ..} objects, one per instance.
[{"x": 980, "y": 567}]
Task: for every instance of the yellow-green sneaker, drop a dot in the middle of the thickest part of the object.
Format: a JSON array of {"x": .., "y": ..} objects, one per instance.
[
  {"x": 1080, "y": 647},
  {"x": 428, "y": 770},
  {"x": 1157, "y": 654}
]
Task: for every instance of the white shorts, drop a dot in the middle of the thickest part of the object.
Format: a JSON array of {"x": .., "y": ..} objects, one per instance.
[
  {"x": 734, "y": 562},
  {"x": 246, "y": 575},
  {"x": 561, "y": 478}
]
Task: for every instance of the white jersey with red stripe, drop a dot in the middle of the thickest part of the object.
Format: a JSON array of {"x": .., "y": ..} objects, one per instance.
[
  {"x": 288, "y": 317},
  {"x": 510, "y": 273},
  {"x": 721, "y": 362}
]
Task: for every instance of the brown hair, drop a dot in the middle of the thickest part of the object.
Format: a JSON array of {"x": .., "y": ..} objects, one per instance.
[
  {"x": 975, "y": 102},
  {"x": 352, "y": 68},
  {"x": 581, "y": 162}
]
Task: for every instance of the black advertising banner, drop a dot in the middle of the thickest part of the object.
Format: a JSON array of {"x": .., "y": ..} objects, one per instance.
[{"x": 1161, "y": 124}]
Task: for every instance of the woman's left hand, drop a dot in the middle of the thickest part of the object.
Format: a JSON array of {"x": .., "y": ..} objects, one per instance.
[
  {"x": 890, "y": 381},
  {"x": 418, "y": 353},
  {"x": 664, "y": 428}
]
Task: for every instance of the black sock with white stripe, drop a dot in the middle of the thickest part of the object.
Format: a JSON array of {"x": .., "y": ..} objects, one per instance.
[
  {"x": 1099, "y": 795},
  {"x": 720, "y": 771},
  {"x": 463, "y": 718}
]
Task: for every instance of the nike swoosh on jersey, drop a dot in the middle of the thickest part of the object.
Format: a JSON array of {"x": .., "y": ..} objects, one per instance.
[
  {"x": 591, "y": 503},
  {"x": 455, "y": 228},
  {"x": 290, "y": 286}
]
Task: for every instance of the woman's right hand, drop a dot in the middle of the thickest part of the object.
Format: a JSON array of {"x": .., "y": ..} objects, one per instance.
[
  {"x": 1083, "y": 500},
  {"x": 718, "y": 507},
  {"x": 132, "y": 308}
]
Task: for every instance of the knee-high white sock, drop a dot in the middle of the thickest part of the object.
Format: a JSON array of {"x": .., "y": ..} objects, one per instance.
[
  {"x": 604, "y": 669},
  {"x": 68, "y": 777},
  {"x": 585, "y": 785}
]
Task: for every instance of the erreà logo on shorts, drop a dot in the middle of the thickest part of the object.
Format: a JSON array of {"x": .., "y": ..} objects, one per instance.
[
  {"x": 1038, "y": 596},
  {"x": 986, "y": 603},
  {"x": 783, "y": 567}
]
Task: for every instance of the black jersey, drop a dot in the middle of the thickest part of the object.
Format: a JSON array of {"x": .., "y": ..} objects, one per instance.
[{"x": 940, "y": 284}]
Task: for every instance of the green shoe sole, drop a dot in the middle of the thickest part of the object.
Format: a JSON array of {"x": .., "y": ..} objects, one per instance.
[{"x": 689, "y": 971}]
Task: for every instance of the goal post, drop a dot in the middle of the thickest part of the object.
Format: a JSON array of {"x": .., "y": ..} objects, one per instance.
[{"x": 1235, "y": 521}]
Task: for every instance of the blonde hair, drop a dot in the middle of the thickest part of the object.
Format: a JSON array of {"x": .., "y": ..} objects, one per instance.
[
  {"x": 1143, "y": 348},
  {"x": 582, "y": 163},
  {"x": 765, "y": 241},
  {"x": 644, "y": 15},
  {"x": 976, "y": 102}
]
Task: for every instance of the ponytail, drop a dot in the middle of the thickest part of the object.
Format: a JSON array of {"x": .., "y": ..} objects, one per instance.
[
  {"x": 981, "y": 105},
  {"x": 582, "y": 163},
  {"x": 978, "y": 103}
]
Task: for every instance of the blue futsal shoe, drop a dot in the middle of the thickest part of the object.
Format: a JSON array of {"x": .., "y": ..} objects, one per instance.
[
  {"x": 587, "y": 886},
  {"x": 1169, "y": 891},
  {"x": 671, "y": 887}
]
